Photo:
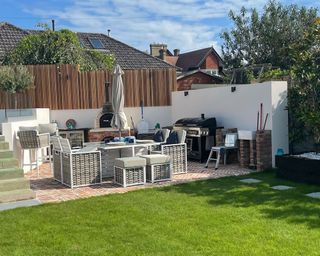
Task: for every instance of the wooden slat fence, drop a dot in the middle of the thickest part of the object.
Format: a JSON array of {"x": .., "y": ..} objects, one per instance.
[{"x": 65, "y": 87}]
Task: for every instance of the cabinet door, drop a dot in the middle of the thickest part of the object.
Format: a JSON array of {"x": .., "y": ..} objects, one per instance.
[{"x": 76, "y": 139}]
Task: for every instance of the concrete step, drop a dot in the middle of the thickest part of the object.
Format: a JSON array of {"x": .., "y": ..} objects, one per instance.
[
  {"x": 8, "y": 163},
  {"x": 14, "y": 184},
  {"x": 6, "y": 153},
  {"x": 2, "y": 138},
  {"x": 17, "y": 195},
  {"x": 4, "y": 145},
  {"x": 11, "y": 173}
]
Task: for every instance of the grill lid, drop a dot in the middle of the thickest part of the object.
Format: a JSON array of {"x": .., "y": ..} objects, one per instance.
[{"x": 197, "y": 122}]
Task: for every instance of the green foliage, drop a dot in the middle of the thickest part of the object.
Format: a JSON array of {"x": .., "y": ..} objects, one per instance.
[
  {"x": 304, "y": 97},
  {"x": 57, "y": 47},
  {"x": 274, "y": 74},
  {"x": 265, "y": 38},
  {"x": 15, "y": 79}
]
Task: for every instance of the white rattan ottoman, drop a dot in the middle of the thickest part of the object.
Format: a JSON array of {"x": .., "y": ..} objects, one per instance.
[
  {"x": 158, "y": 167},
  {"x": 129, "y": 171}
]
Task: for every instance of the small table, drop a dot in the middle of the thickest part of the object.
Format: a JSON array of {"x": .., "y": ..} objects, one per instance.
[{"x": 111, "y": 151}]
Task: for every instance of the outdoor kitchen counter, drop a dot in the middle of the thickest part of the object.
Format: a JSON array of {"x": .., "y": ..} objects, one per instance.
[{"x": 111, "y": 151}]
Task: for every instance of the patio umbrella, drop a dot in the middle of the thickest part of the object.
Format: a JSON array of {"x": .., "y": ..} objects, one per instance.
[{"x": 119, "y": 119}]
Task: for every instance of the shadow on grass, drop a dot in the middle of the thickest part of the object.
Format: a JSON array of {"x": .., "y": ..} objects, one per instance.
[{"x": 290, "y": 205}]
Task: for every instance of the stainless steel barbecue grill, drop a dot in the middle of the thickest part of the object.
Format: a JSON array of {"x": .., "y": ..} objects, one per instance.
[{"x": 201, "y": 134}]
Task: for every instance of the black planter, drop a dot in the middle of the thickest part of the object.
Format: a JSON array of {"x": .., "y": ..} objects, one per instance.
[{"x": 298, "y": 169}]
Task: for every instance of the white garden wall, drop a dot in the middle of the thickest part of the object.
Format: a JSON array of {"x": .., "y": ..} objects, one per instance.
[
  {"x": 239, "y": 109},
  {"x": 85, "y": 118}
]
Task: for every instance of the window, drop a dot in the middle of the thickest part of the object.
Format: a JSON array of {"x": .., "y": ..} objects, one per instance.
[
  {"x": 96, "y": 43},
  {"x": 82, "y": 43}
]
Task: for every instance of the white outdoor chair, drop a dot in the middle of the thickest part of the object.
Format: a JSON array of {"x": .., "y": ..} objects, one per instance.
[
  {"x": 80, "y": 168},
  {"x": 57, "y": 158},
  {"x": 33, "y": 141},
  {"x": 177, "y": 153},
  {"x": 229, "y": 144}
]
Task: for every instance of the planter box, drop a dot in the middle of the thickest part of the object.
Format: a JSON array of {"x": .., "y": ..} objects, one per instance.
[{"x": 298, "y": 169}]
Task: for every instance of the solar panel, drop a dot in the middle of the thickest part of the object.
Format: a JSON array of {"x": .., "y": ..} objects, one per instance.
[{"x": 96, "y": 43}]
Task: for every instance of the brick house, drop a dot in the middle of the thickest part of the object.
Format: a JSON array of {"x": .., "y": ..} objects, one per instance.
[{"x": 203, "y": 66}]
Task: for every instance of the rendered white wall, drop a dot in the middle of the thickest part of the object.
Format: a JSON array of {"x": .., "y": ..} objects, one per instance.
[
  {"x": 85, "y": 118},
  {"x": 239, "y": 109},
  {"x": 280, "y": 128}
]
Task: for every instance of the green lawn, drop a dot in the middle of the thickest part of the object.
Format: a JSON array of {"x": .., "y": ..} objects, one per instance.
[{"x": 215, "y": 217}]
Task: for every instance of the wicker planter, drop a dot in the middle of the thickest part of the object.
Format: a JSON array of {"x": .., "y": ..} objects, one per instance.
[{"x": 298, "y": 169}]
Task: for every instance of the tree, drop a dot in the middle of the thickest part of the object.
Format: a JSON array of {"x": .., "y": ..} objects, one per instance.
[
  {"x": 267, "y": 38},
  {"x": 57, "y": 47},
  {"x": 304, "y": 97},
  {"x": 15, "y": 79}
]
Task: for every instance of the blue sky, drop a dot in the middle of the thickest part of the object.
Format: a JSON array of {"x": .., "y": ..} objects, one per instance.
[{"x": 183, "y": 24}]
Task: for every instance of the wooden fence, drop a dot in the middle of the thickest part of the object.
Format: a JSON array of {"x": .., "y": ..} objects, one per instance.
[{"x": 64, "y": 87}]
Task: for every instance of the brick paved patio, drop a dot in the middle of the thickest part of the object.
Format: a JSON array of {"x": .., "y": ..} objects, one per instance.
[{"x": 49, "y": 190}]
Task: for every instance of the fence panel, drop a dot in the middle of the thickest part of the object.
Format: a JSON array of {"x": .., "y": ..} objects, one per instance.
[{"x": 65, "y": 87}]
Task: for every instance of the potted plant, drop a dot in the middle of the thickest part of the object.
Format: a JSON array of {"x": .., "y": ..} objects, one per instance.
[{"x": 15, "y": 79}]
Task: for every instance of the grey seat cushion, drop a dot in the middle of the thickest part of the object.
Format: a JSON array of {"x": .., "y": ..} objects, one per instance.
[
  {"x": 28, "y": 128},
  {"x": 50, "y": 128},
  {"x": 156, "y": 159},
  {"x": 127, "y": 162}
]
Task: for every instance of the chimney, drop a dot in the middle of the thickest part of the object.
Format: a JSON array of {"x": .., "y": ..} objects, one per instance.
[
  {"x": 155, "y": 49},
  {"x": 176, "y": 52},
  {"x": 162, "y": 53}
]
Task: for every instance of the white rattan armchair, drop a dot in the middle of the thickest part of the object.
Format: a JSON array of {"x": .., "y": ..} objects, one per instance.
[{"x": 81, "y": 168}]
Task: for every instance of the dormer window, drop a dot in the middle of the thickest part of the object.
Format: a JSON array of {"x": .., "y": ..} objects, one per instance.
[{"x": 96, "y": 43}]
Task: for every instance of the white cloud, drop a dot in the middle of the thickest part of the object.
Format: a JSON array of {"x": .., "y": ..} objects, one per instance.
[{"x": 184, "y": 24}]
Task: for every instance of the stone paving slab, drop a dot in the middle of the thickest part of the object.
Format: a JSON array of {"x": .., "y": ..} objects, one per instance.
[
  {"x": 281, "y": 187},
  {"x": 49, "y": 190},
  {"x": 250, "y": 181},
  {"x": 18, "y": 204},
  {"x": 314, "y": 195}
]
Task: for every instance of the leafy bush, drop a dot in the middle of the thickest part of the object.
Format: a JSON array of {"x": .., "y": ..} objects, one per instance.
[
  {"x": 304, "y": 97},
  {"x": 57, "y": 47},
  {"x": 15, "y": 79}
]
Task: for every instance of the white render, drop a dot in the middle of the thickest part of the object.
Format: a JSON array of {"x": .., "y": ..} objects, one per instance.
[
  {"x": 85, "y": 118},
  {"x": 239, "y": 109}
]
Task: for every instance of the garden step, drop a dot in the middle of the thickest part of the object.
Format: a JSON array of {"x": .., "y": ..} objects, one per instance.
[
  {"x": 17, "y": 195},
  {"x": 4, "y": 145},
  {"x": 6, "y": 153},
  {"x": 2, "y": 138},
  {"x": 14, "y": 184},
  {"x": 11, "y": 173},
  {"x": 8, "y": 163}
]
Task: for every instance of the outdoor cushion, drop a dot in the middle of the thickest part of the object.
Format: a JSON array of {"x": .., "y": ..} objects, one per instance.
[
  {"x": 173, "y": 138},
  {"x": 156, "y": 159},
  {"x": 158, "y": 136},
  {"x": 127, "y": 162},
  {"x": 48, "y": 128},
  {"x": 28, "y": 128}
]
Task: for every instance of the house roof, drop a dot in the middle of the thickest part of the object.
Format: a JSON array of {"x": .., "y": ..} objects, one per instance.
[
  {"x": 126, "y": 56},
  {"x": 10, "y": 36},
  {"x": 193, "y": 60},
  {"x": 186, "y": 74}
]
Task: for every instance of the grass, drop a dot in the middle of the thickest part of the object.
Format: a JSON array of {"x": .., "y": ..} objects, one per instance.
[{"x": 214, "y": 217}]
